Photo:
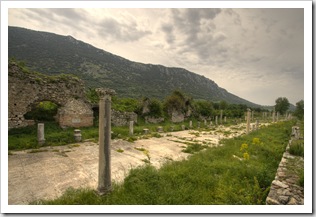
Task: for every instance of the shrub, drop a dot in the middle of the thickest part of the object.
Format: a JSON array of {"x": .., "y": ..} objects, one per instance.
[{"x": 297, "y": 148}]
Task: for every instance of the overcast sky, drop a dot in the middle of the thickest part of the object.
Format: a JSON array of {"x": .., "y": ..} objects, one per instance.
[{"x": 256, "y": 54}]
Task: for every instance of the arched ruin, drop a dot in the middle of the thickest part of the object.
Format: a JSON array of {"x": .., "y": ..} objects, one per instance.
[{"x": 27, "y": 88}]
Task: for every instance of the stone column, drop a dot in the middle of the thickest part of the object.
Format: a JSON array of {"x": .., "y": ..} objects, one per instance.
[
  {"x": 273, "y": 116},
  {"x": 216, "y": 120},
  {"x": 77, "y": 135},
  {"x": 198, "y": 124},
  {"x": 104, "y": 181},
  {"x": 205, "y": 123},
  {"x": 257, "y": 124},
  {"x": 190, "y": 124},
  {"x": 248, "y": 120},
  {"x": 277, "y": 118},
  {"x": 225, "y": 119},
  {"x": 131, "y": 128},
  {"x": 221, "y": 117},
  {"x": 252, "y": 115},
  {"x": 40, "y": 134}
]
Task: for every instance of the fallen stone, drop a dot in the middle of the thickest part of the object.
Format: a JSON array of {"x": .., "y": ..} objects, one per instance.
[
  {"x": 283, "y": 199},
  {"x": 292, "y": 201},
  {"x": 279, "y": 184},
  {"x": 271, "y": 201}
]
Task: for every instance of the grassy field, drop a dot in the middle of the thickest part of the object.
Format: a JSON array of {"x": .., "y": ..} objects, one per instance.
[
  {"x": 26, "y": 137},
  {"x": 239, "y": 172}
]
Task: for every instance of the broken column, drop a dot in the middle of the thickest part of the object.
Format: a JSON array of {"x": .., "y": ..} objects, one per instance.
[
  {"x": 277, "y": 118},
  {"x": 104, "y": 179},
  {"x": 216, "y": 120},
  {"x": 190, "y": 124},
  {"x": 40, "y": 133},
  {"x": 257, "y": 124},
  {"x": 273, "y": 116},
  {"x": 248, "y": 120},
  {"x": 77, "y": 135},
  {"x": 221, "y": 117},
  {"x": 225, "y": 119},
  {"x": 131, "y": 128}
]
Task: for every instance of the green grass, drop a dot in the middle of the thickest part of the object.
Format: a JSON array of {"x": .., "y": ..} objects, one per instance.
[
  {"x": 212, "y": 176},
  {"x": 297, "y": 148},
  {"x": 26, "y": 137}
]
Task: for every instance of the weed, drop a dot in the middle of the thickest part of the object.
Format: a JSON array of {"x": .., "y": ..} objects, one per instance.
[
  {"x": 192, "y": 148},
  {"x": 37, "y": 150},
  {"x": 131, "y": 139},
  {"x": 73, "y": 145},
  {"x": 139, "y": 149},
  {"x": 197, "y": 134},
  {"x": 156, "y": 135},
  {"x": 301, "y": 178},
  {"x": 120, "y": 150},
  {"x": 297, "y": 148}
]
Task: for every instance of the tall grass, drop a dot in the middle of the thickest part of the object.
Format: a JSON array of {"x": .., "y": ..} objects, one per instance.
[{"x": 213, "y": 176}]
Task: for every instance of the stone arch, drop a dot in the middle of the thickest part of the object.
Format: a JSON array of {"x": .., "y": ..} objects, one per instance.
[{"x": 27, "y": 88}]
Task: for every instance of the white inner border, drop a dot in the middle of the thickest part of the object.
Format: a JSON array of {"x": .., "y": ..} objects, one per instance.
[{"x": 306, "y": 208}]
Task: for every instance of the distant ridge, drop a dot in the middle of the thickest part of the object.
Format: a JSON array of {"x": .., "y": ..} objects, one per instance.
[{"x": 50, "y": 53}]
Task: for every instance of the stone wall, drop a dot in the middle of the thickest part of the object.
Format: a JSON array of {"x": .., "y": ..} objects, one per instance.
[
  {"x": 75, "y": 113},
  {"x": 122, "y": 118},
  {"x": 177, "y": 116},
  {"x": 284, "y": 188},
  {"x": 27, "y": 88},
  {"x": 153, "y": 120}
]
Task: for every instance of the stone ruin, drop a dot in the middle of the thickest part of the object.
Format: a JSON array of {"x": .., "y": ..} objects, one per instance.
[{"x": 27, "y": 89}]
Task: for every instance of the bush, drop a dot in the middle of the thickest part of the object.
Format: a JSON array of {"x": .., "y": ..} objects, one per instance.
[
  {"x": 43, "y": 111},
  {"x": 297, "y": 148}
]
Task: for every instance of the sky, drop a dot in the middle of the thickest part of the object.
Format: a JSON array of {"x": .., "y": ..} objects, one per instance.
[{"x": 256, "y": 54}]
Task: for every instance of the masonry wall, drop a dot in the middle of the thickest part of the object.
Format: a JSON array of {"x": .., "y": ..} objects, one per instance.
[{"x": 26, "y": 88}]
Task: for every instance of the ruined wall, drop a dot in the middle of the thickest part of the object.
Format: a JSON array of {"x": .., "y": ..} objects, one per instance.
[
  {"x": 27, "y": 88},
  {"x": 122, "y": 118},
  {"x": 75, "y": 113}
]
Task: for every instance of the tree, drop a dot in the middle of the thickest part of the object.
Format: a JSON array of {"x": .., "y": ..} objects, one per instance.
[
  {"x": 155, "y": 108},
  {"x": 175, "y": 101},
  {"x": 282, "y": 105},
  {"x": 203, "y": 108},
  {"x": 299, "y": 111}
]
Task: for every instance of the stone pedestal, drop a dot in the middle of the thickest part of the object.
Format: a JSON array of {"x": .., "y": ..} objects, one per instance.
[
  {"x": 160, "y": 129},
  {"x": 248, "y": 120},
  {"x": 40, "y": 134},
  {"x": 77, "y": 135},
  {"x": 131, "y": 128}
]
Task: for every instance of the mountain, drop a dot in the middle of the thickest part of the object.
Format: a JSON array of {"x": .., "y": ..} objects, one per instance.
[{"x": 52, "y": 54}]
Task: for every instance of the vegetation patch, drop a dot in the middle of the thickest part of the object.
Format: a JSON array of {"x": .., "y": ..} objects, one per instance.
[
  {"x": 37, "y": 150},
  {"x": 193, "y": 148},
  {"x": 140, "y": 149},
  {"x": 120, "y": 150},
  {"x": 297, "y": 148}
]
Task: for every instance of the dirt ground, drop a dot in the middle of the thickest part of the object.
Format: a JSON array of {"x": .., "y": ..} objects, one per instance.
[{"x": 48, "y": 173}]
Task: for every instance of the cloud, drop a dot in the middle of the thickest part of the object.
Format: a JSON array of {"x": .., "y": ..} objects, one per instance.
[{"x": 115, "y": 30}]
